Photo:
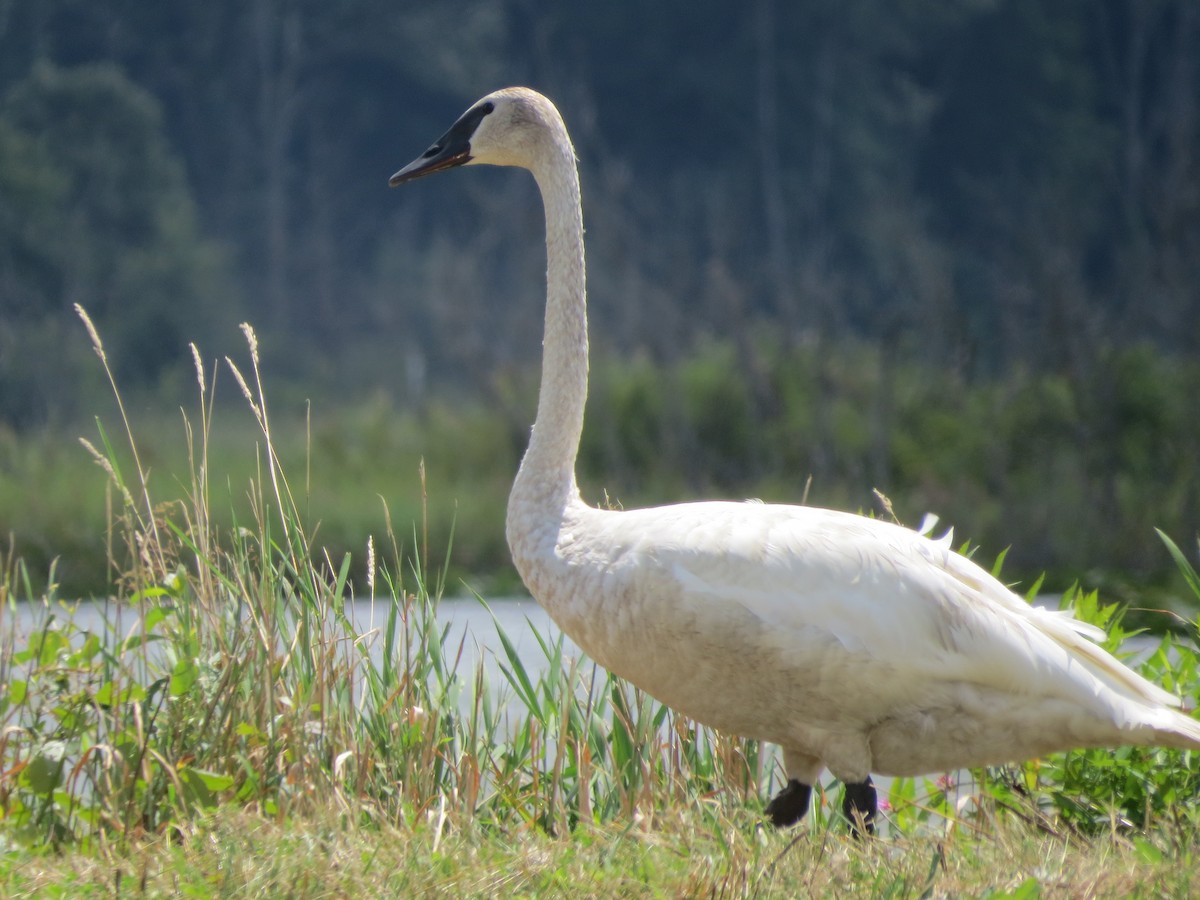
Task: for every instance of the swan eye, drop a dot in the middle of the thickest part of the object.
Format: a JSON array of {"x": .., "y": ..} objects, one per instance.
[{"x": 432, "y": 152}]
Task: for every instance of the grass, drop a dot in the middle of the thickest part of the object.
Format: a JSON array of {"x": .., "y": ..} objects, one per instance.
[
  {"x": 57, "y": 509},
  {"x": 231, "y": 732},
  {"x": 231, "y": 853}
]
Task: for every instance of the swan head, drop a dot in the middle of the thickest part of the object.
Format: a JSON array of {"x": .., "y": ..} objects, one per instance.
[{"x": 511, "y": 127}]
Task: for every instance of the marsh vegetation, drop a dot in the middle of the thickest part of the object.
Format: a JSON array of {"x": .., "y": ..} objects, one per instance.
[{"x": 230, "y": 727}]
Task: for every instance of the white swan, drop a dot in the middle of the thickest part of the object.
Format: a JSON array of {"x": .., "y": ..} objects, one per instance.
[{"x": 852, "y": 643}]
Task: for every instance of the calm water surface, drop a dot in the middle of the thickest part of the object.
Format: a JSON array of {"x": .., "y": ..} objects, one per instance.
[{"x": 470, "y": 623}]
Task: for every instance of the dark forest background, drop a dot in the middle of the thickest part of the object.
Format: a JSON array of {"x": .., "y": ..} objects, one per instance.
[{"x": 991, "y": 207}]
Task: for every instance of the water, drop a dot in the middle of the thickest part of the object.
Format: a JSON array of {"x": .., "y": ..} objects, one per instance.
[{"x": 471, "y": 627}]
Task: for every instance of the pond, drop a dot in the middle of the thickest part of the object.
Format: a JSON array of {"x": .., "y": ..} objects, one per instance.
[{"x": 471, "y": 624}]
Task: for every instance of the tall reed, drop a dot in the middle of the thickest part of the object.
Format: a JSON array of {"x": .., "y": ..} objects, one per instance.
[{"x": 228, "y": 670}]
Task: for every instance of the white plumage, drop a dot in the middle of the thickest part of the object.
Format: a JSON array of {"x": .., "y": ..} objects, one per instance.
[{"x": 852, "y": 643}]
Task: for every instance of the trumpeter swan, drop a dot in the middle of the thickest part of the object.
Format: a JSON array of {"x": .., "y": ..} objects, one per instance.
[{"x": 853, "y": 643}]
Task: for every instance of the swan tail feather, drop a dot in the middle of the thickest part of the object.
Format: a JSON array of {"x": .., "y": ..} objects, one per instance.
[{"x": 1171, "y": 728}]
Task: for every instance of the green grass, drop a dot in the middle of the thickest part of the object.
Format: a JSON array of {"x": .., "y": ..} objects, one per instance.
[
  {"x": 230, "y": 853},
  {"x": 56, "y": 505},
  {"x": 236, "y": 735}
]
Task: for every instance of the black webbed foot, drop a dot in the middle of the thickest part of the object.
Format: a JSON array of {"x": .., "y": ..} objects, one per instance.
[
  {"x": 789, "y": 805},
  {"x": 859, "y": 807}
]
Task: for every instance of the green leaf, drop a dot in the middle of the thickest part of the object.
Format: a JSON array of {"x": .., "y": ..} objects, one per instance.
[
  {"x": 90, "y": 650},
  {"x": 1029, "y": 889},
  {"x": 150, "y": 593},
  {"x": 196, "y": 790},
  {"x": 1146, "y": 850},
  {"x": 517, "y": 676},
  {"x": 999, "y": 563},
  {"x": 44, "y": 771},
  {"x": 214, "y": 781},
  {"x": 156, "y": 615},
  {"x": 137, "y": 640},
  {"x": 183, "y": 678},
  {"x": 1185, "y": 567},
  {"x": 48, "y": 644},
  {"x": 104, "y": 695}
]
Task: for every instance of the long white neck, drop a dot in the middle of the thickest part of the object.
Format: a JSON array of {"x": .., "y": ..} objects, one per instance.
[{"x": 545, "y": 484}]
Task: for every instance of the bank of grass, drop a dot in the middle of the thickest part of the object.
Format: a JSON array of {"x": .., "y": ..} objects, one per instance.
[
  {"x": 231, "y": 853},
  {"x": 1074, "y": 472},
  {"x": 236, "y": 734},
  {"x": 344, "y": 461}
]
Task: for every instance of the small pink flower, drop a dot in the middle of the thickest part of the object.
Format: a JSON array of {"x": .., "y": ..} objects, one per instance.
[
  {"x": 946, "y": 783},
  {"x": 885, "y": 806}
]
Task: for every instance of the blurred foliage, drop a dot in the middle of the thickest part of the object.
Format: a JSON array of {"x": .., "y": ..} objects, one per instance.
[
  {"x": 1013, "y": 462},
  {"x": 975, "y": 184},
  {"x": 100, "y": 214},
  {"x": 946, "y": 250}
]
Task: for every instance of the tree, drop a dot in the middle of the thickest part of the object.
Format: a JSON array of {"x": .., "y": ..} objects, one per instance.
[{"x": 97, "y": 211}]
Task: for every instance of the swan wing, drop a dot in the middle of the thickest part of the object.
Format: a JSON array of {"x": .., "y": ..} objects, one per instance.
[{"x": 903, "y": 605}]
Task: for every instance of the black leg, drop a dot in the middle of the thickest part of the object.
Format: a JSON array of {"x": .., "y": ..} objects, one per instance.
[
  {"x": 789, "y": 805},
  {"x": 859, "y": 807}
]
